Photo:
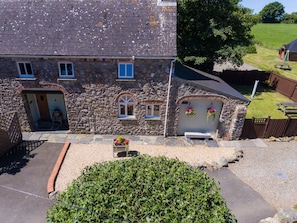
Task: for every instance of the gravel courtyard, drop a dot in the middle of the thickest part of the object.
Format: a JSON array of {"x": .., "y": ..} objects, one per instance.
[{"x": 271, "y": 170}]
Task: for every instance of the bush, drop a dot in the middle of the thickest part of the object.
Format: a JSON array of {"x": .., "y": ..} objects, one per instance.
[
  {"x": 251, "y": 49},
  {"x": 141, "y": 189}
]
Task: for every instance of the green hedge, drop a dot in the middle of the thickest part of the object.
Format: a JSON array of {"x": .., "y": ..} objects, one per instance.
[{"x": 141, "y": 189}]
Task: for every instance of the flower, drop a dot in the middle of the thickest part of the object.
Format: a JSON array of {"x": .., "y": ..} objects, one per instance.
[
  {"x": 120, "y": 141},
  {"x": 211, "y": 112},
  {"x": 190, "y": 111}
]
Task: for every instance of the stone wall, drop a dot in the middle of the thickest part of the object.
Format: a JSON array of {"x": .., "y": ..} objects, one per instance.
[
  {"x": 91, "y": 98},
  {"x": 10, "y": 101}
]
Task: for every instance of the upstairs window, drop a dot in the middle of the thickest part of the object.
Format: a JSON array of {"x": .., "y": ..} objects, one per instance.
[
  {"x": 126, "y": 70},
  {"x": 25, "y": 69},
  {"x": 66, "y": 69},
  {"x": 152, "y": 111},
  {"x": 126, "y": 107}
]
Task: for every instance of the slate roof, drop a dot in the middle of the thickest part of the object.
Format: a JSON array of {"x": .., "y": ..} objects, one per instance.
[
  {"x": 207, "y": 82},
  {"x": 292, "y": 46},
  {"x": 94, "y": 28}
]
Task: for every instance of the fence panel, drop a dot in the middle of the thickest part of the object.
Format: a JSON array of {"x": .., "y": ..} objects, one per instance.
[
  {"x": 266, "y": 127},
  {"x": 244, "y": 77},
  {"x": 10, "y": 131},
  {"x": 291, "y": 128},
  {"x": 276, "y": 128},
  {"x": 254, "y": 128},
  {"x": 294, "y": 95},
  {"x": 283, "y": 85}
]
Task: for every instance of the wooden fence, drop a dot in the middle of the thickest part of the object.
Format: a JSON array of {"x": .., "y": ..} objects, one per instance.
[
  {"x": 283, "y": 85},
  {"x": 267, "y": 127},
  {"x": 244, "y": 77},
  {"x": 10, "y": 132}
]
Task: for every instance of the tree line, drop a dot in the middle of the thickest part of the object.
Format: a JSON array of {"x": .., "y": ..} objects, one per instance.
[{"x": 274, "y": 12}]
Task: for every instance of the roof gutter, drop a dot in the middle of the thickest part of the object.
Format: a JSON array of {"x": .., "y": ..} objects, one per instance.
[
  {"x": 168, "y": 96},
  {"x": 85, "y": 56}
]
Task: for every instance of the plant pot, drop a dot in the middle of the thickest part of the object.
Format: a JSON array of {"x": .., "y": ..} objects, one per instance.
[{"x": 120, "y": 148}]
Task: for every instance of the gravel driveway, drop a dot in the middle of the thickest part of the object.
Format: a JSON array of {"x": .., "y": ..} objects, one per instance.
[
  {"x": 271, "y": 171},
  {"x": 270, "y": 168}
]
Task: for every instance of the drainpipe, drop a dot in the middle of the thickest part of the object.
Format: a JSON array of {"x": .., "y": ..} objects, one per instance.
[{"x": 168, "y": 96}]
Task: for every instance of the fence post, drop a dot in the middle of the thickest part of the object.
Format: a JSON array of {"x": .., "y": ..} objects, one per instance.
[
  {"x": 286, "y": 126},
  {"x": 266, "y": 126}
]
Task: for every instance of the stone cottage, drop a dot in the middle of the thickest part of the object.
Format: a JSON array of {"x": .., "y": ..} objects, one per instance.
[{"x": 106, "y": 67}]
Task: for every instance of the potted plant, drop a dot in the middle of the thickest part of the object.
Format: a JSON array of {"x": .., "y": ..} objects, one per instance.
[
  {"x": 190, "y": 111},
  {"x": 120, "y": 144}
]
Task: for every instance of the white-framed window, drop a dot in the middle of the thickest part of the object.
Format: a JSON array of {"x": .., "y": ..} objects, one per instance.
[
  {"x": 126, "y": 106},
  {"x": 66, "y": 69},
  {"x": 25, "y": 69},
  {"x": 126, "y": 70},
  {"x": 152, "y": 111}
]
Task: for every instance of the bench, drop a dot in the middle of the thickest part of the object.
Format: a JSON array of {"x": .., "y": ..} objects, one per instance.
[
  {"x": 288, "y": 107},
  {"x": 290, "y": 111},
  {"x": 197, "y": 135}
]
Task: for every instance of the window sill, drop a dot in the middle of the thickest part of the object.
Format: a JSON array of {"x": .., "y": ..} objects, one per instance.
[
  {"x": 127, "y": 118},
  {"x": 66, "y": 79},
  {"x": 125, "y": 79},
  {"x": 152, "y": 119},
  {"x": 26, "y": 78}
]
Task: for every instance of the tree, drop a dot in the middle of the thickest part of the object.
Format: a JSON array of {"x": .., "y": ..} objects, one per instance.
[
  {"x": 290, "y": 18},
  {"x": 212, "y": 31},
  {"x": 272, "y": 13}
]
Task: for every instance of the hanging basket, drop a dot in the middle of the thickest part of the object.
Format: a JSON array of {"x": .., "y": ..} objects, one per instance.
[
  {"x": 190, "y": 112},
  {"x": 211, "y": 112}
]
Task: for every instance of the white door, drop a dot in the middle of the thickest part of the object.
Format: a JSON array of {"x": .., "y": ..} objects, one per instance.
[{"x": 200, "y": 122}]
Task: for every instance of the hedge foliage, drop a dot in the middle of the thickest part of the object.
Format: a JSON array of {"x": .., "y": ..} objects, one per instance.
[{"x": 141, "y": 189}]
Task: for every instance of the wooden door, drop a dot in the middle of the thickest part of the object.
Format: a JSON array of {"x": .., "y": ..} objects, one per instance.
[{"x": 43, "y": 106}]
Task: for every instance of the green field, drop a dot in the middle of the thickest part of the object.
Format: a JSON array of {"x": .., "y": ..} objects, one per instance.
[
  {"x": 268, "y": 38},
  {"x": 273, "y": 36}
]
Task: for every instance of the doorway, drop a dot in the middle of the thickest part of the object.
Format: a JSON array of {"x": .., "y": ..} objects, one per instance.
[{"x": 42, "y": 105}]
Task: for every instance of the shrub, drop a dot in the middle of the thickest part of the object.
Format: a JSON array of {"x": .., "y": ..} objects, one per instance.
[
  {"x": 251, "y": 49},
  {"x": 141, "y": 189}
]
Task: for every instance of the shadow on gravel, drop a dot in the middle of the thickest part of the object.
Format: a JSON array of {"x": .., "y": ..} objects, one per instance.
[
  {"x": 13, "y": 161},
  {"x": 130, "y": 153}
]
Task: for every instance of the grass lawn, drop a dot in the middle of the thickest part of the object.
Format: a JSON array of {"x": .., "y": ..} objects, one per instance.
[
  {"x": 264, "y": 103},
  {"x": 265, "y": 59}
]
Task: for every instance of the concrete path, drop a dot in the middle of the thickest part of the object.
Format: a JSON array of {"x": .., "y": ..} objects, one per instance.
[{"x": 246, "y": 204}]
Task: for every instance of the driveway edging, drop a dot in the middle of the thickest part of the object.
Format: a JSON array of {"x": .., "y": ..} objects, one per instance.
[{"x": 55, "y": 171}]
